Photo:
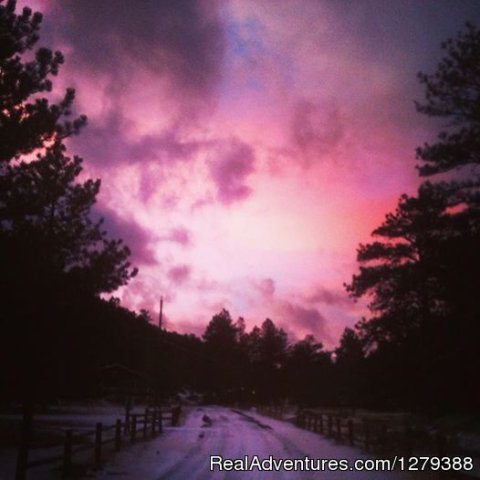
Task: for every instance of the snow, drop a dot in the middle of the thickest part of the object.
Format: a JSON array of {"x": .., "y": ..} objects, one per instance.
[
  {"x": 79, "y": 417},
  {"x": 184, "y": 452}
]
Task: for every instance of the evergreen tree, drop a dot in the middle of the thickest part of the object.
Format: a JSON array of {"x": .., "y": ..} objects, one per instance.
[
  {"x": 421, "y": 275},
  {"x": 52, "y": 254},
  {"x": 28, "y": 123},
  {"x": 53, "y": 257},
  {"x": 453, "y": 93},
  {"x": 401, "y": 272}
]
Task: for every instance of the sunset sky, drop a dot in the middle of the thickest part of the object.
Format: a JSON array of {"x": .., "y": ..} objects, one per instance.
[{"x": 247, "y": 147}]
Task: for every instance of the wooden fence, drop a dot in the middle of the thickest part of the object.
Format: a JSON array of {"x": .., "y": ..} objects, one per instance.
[
  {"x": 373, "y": 435},
  {"x": 274, "y": 411},
  {"x": 138, "y": 426},
  {"x": 378, "y": 436},
  {"x": 370, "y": 434}
]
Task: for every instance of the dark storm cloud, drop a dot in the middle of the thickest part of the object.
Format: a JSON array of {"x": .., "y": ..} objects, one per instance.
[
  {"x": 138, "y": 240},
  {"x": 183, "y": 39},
  {"x": 106, "y": 144},
  {"x": 232, "y": 164}
]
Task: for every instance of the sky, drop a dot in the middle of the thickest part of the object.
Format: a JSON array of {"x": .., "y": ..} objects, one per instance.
[{"x": 247, "y": 147}]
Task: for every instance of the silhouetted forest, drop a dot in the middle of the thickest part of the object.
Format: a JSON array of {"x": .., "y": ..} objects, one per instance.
[{"x": 416, "y": 350}]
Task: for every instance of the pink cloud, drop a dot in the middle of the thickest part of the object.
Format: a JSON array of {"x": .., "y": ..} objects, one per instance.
[
  {"x": 179, "y": 274},
  {"x": 266, "y": 287},
  {"x": 180, "y": 235},
  {"x": 304, "y": 109}
]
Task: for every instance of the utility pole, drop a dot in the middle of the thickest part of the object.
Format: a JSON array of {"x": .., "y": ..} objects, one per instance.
[{"x": 160, "y": 315}]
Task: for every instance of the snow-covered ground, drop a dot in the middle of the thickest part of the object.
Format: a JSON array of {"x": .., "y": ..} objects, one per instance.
[
  {"x": 183, "y": 453},
  {"x": 78, "y": 417}
]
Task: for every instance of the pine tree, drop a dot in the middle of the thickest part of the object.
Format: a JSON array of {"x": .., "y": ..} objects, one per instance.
[
  {"x": 53, "y": 257},
  {"x": 28, "y": 123},
  {"x": 453, "y": 93},
  {"x": 421, "y": 273}
]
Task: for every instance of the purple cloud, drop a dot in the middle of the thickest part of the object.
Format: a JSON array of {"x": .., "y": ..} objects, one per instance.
[
  {"x": 329, "y": 297},
  {"x": 107, "y": 145},
  {"x": 266, "y": 287},
  {"x": 229, "y": 169},
  {"x": 298, "y": 317},
  {"x": 138, "y": 240},
  {"x": 316, "y": 131},
  {"x": 180, "y": 235},
  {"x": 179, "y": 274},
  {"x": 182, "y": 40}
]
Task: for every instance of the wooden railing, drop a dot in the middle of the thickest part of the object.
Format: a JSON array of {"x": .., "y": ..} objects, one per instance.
[
  {"x": 138, "y": 426},
  {"x": 373, "y": 435},
  {"x": 274, "y": 411},
  {"x": 379, "y": 436}
]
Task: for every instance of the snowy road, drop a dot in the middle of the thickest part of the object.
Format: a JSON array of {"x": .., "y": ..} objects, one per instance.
[{"x": 183, "y": 453}]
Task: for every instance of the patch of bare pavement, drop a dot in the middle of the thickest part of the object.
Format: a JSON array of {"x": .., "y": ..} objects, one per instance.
[{"x": 185, "y": 452}]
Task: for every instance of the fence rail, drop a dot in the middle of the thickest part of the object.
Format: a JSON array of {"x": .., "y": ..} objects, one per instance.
[
  {"x": 145, "y": 425},
  {"x": 377, "y": 436}
]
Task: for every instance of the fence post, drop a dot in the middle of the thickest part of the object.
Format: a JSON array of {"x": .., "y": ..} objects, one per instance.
[
  {"x": 321, "y": 423},
  {"x": 67, "y": 453},
  {"x": 160, "y": 421},
  {"x": 118, "y": 435},
  {"x": 175, "y": 415},
  {"x": 329, "y": 426},
  {"x": 339, "y": 429},
  {"x": 351, "y": 438},
  {"x": 154, "y": 422},
  {"x": 127, "y": 423},
  {"x": 98, "y": 444},
  {"x": 133, "y": 427},
  {"x": 145, "y": 423}
]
